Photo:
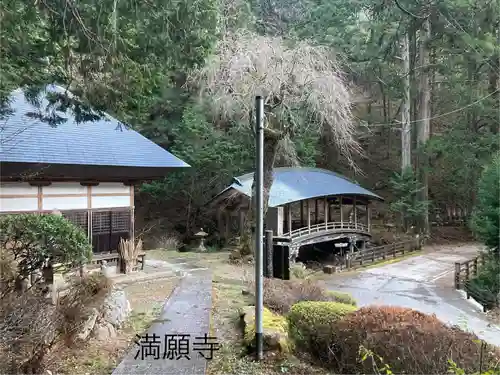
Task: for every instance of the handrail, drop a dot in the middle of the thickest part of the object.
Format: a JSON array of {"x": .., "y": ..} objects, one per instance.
[{"x": 325, "y": 227}]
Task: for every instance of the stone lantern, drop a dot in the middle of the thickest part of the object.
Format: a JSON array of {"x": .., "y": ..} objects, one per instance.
[{"x": 201, "y": 235}]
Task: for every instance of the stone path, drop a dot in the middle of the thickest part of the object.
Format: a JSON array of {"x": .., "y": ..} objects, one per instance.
[{"x": 186, "y": 312}]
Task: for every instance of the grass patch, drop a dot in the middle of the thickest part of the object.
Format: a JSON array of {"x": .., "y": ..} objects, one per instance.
[
  {"x": 97, "y": 357},
  {"x": 232, "y": 358}
]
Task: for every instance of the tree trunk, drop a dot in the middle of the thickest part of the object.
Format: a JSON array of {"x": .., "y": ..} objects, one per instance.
[
  {"x": 271, "y": 140},
  {"x": 405, "y": 112},
  {"x": 472, "y": 77},
  {"x": 424, "y": 120},
  {"x": 413, "y": 84},
  {"x": 494, "y": 79}
]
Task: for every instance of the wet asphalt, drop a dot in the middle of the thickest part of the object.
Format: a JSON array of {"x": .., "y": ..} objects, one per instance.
[{"x": 424, "y": 283}]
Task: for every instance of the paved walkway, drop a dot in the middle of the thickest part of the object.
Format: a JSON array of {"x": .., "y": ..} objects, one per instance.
[
  {"x": 186, "y": 312},
  {"x": 424, "y": 283}
]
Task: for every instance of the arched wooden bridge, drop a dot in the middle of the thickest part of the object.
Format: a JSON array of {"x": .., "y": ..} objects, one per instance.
[{"x": 324, "y": 232}]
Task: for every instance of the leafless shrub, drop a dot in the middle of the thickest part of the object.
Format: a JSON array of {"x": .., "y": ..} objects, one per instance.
[
  {"x": 28, "y": 329},
  {"x": 168, "y": 242},
  {"x": 85, "y": 294},
  {"x": 30, "y": 324},
  {"x": 407, "y": 340},
  {"x": 281, "y": 295}
]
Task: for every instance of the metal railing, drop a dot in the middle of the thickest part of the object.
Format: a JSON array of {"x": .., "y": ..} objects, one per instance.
[{"x": 324, "y": 227}]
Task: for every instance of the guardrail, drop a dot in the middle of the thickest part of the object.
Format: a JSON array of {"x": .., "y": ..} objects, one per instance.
[
  {"x": 465, "y": 270},
  {"x": 464, "y": 274},
  {"x": 323, "y": 227},
  {"x": 377, "y": 253}
]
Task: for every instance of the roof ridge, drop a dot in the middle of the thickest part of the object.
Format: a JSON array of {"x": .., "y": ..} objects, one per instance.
[{"x": 248, "y": 175}]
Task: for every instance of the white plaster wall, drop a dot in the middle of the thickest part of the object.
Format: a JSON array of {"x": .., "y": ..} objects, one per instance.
[
  {"x": 110, "y": 188},
  {"x": 17, "y": 188},
  {"x": 18, "y": 204},
  {"x": 62, "y": 196},
  {"x": 23, "y": 203},
  {"x": 64, "y": 188},
  {"x": 110, "y": 201},
  {"x": 64, "y": 203}
]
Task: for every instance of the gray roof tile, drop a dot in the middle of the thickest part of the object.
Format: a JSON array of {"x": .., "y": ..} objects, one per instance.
[
  {"x": 295, "y": 184},
  {"x": 104, "y": 142}
]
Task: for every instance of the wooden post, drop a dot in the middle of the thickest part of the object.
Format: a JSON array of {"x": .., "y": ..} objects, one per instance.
[
  {"x": 268, "y": 269},
  {"x": 132, "y": 214},
  {"x": 355, "y": 213},
  {"x": 226, "y": 225},
  {"x": 457, "y": 275},
  {"x": 290, "y": 218},
  {"x": 341, "y": 213},
  {"x": 132, "y": 226},
  {"x": 369, "y": 217},
  {"x": 110, "y": 226},
  {"x": 241, "y": 215},
  {"x": 483, "y": 259},
  {"x": 308, "y": 215},
  {"x": 467, "y": 271},
  {"x": 394, "y": 250},
  {"x": 384, "y": 252},
  {"x": 475, "y": 267},
  {"x": 316, "y": 216},
  {"x": 327, "y": 212},
  {"x": 302, "y": 214}
]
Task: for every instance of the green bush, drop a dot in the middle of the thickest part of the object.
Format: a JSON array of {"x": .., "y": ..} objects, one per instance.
[
  {"x": 485, "y": 224},
  {"x": 309, "y": 324},
  {"x": 342, "y": 297},
  {"x": 32, "y": 239},
  {"x": 485, "y": 221}
]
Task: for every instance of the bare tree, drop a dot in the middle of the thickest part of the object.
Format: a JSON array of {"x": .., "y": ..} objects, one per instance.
[{"x": 303, "y": 88}]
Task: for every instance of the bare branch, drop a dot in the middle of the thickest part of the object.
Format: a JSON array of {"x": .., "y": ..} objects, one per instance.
[{"x": 302, "y": 84}]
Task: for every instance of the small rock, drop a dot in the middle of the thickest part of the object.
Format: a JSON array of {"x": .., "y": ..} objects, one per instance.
[
  {"x": 235, "y": 255},
  {"x": 104, "y": 331},
  {"x": 247, "y": 259},
  {"x": 117, "y": 308},
  {"x": 89, "y": 325},
  {"x": 275, "y": 336},
  {"x": 245, "y": 292}
]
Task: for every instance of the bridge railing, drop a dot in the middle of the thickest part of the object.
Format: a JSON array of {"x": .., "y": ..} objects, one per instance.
[
  {"x": 323, "y": 227},
  {"x": 465, "y": 273}
]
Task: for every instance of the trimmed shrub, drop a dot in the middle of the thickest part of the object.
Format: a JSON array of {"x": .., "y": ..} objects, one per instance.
[
  {"x": 281, "y": 295},
  {"x": 409, "y": 341},
  {"x": 309, "y": 323},
  {"x": 341, "y": 297}
]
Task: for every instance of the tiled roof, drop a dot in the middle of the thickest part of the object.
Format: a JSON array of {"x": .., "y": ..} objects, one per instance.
[
  {"x": 296, "y": 184},
  {"x": 25, "y": 138}
]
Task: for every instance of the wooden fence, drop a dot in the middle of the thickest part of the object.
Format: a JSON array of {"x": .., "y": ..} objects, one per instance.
[
  {"x": 373, "y": 254},
  {"x": 464, "y": 272}
]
